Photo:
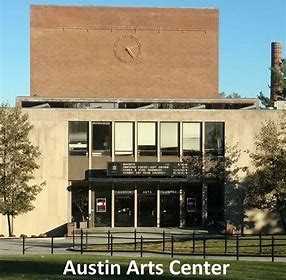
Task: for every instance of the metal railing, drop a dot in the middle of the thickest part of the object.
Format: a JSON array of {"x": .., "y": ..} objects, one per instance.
[{"x": 164, "y": 243}]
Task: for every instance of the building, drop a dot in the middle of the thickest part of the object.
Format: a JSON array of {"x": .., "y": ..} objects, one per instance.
[{"x": 119, "y": 96}]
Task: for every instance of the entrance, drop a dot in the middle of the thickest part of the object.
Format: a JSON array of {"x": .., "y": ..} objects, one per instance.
[
  {"x": 170, "y": 208},
  {"x": 147, "y": 208},
  {"x": 124, "y": 208},
  {"x": 193, "y": 202}
]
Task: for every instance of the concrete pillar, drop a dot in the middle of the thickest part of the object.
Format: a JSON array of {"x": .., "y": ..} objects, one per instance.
[
  {"x": 182, "y": 208},
  {"x": 204, "y": 203},
  {"x": 204, "y": 186},
  {"x": 112, "y": 141},
  {"x": 181, "y": 141},
  {"x": 158, "y": 141},
  {"x": 135, "y": 141},
  {"x": 92, "y": 203},
  {"x": 135, "y": 206},
  {"x": 112, "y": 207},
  {"x": 69, "y": 203},
  {"x": 90, "y": 222},
  {"x": 158, "y": 205}
]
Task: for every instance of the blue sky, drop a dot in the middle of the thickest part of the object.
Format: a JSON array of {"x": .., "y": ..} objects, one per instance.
[{"x": 247, "y": 27}]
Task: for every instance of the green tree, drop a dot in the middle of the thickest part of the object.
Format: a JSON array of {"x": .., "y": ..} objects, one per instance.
[
  {"x": 280, "y": 79},
  {"x": 265, "y": 101},
  {"x": 226, "y": 169},
  {"x": 267, "y": 182},
  {"x": 233, "y": 95},
  {"x": 17, "y": 164}
]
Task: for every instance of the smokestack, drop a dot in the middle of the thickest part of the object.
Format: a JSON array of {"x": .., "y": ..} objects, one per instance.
[{"x": 276, "y": 60}]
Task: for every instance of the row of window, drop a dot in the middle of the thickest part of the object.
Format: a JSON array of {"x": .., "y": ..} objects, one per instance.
[{"x": 147, "y": 138}]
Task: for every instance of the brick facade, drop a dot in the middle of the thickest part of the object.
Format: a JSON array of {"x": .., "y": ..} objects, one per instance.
[{"x": 73, "y": 52}]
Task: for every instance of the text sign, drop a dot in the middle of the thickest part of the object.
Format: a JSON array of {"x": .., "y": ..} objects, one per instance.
[{"x": 161, "y": 169}]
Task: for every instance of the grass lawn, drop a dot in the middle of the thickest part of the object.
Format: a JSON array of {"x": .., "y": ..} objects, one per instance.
[
  {"x": 51, "y": 267},
  {"x": 247, "y": 245}
]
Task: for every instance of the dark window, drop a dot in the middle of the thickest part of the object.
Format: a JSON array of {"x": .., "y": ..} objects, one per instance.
[
  {"x": 147, "y": 139},
  {"x": 101, "y": 138},
  {"x": 214, "y": 138},
  {"x": 215, "y": 202},
  {"x": 78, "y": 138},
  {"x": 79, "y": 204},
  {"x": 169, "y": 139}
]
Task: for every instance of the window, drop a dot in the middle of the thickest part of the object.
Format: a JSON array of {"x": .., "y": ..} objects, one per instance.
[
  {"x": 191, "y": 139},
  {"x": 101, "y": 138},
  {"x": 214, "y": 138},
  {"x": 147, "y": 139},
  {"x": 169, "y": 139},
  {"x": 78, "y": 138},
  {"x": 123, "y": 138}
]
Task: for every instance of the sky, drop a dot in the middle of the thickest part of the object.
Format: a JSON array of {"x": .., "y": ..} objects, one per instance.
[{"x": 246, "y": 30}]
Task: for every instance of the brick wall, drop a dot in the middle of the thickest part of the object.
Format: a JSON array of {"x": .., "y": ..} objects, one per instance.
[{"x": 74, "y": 52}]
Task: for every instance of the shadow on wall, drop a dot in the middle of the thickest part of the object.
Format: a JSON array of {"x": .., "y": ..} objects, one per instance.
[
  {"x": 58, "y": 231},
  {"x": 234, "y": 204},
  {"x": 264, "y": 221},
  {"x": 248, "y": 220}
]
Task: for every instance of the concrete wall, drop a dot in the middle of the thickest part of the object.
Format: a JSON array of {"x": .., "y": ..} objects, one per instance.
[
  {"x": 51, "y": 205},
  {"x": 50, "y": 133},
  {"x": 73, "y": 52}
]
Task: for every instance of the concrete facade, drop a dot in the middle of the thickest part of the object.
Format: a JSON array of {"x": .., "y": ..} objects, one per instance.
[{"x": 50, "y": 133}]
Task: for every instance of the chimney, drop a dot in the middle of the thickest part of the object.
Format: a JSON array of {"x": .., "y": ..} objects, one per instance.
[{"x": 276, "y": 60}]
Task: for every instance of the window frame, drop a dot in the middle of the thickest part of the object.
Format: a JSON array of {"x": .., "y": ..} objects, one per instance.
[
  {"x": 78, "y": 149},
  {"x": 102, "y": 152},
  {"x": 152, "y": 151},
  {"x": 171, "y": 151},
  {"x": 124, "y": 152},
  {"x": 215, "y": 151}
]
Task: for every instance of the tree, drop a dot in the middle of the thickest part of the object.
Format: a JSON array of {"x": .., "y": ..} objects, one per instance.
[
  {"x": 279, "y": 76},
  {"x": 210, "y": 168},
  {"x": 267, "y": 182},
  {"x": 233, "y": 95},
  {"x": 17, "y": 164},
  {"x": 265, "y": 101}
]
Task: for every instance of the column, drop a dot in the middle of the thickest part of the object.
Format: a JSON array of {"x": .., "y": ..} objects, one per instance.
[
  {"x": 135, "y": 141},
  {"x": 135, "y": 206},
  {"x": 158, "y": 141},
  {"x": 182, "y": 208},
  {"x": 158, "y": 206},
  {"x": 181, "y": 141},
  {"x": 90, "y": 207},
  {"x": 69, "y": 203},
  {"x": 204, "y": 185},
  {"x": 204, "y": 203},
  {"x": 113, "y": 141},
  {"x": 112, "y": 207}
]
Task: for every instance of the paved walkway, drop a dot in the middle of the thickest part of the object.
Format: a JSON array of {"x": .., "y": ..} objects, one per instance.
[{"x": 61, "y": 245}]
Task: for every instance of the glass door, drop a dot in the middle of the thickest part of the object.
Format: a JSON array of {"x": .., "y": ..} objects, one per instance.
[
  {"x": 147, "y": 209},
  {"x": 170, "y": 208},
  {"x": 124, "y": 210}
]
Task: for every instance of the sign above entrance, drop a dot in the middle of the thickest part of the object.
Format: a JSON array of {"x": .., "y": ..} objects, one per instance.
[{"x": 148, "y": 169}]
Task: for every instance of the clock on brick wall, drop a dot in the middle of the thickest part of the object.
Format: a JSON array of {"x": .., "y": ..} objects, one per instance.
[{"x": 127, "y": 49}]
